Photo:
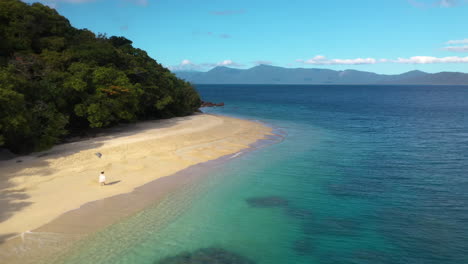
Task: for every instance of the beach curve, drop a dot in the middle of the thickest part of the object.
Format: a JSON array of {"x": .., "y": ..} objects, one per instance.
[{"x": 38, "y": 188}]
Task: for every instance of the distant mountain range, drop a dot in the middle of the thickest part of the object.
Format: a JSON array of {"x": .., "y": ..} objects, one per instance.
[{"x": 266, "y": 74}]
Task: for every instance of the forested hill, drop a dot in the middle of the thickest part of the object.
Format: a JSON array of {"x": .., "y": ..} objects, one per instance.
[{"x": 56, "y": 80}]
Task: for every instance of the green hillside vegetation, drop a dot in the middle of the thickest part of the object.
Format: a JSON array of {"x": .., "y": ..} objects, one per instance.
[{"x": 56, "y": 80}]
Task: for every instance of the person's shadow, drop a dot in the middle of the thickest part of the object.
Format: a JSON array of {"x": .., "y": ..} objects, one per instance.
[{"x": 112, "y": 183}]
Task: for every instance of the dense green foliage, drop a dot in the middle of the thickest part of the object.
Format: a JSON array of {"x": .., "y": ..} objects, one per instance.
[{"x": 56, "y": 80}]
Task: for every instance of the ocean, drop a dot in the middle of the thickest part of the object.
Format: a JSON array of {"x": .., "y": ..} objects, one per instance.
[{"x": 361, "y": 174}]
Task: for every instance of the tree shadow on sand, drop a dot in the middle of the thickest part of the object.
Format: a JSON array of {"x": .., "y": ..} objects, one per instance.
[{"x": 11, "y": 201}]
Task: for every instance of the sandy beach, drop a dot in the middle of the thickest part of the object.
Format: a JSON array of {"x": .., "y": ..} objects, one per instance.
[{"x": 40, "y": 187}]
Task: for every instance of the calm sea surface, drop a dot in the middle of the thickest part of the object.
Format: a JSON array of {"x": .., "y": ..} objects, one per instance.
[{"x": 365, "y": 175}]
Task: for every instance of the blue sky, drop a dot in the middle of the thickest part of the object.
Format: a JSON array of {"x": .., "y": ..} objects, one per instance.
[{"x": 383, "y": 36}]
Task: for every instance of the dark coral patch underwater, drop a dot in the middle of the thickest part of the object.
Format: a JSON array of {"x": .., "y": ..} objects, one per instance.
[
  {"x": 303, "y": 246},
  {"x": 207, "y": 256},
  {"x": 267, "y": 201}
]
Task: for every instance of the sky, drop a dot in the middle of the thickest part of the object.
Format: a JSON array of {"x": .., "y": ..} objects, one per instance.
[{"x": 383, "y": 36}]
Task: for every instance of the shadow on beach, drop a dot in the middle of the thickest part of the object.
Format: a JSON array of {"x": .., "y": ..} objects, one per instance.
[
  {"x": 112, "y": 183},
  {"x": 11, "y": 201}
]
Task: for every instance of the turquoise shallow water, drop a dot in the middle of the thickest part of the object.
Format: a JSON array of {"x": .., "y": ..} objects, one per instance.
[{"x": 364, "y": 175}]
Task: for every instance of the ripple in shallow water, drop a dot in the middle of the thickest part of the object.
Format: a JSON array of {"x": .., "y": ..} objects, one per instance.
[{"x": 298, "y": 213}]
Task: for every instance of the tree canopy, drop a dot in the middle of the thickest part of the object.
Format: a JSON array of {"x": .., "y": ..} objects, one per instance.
[{"x": 56, "y": 80}]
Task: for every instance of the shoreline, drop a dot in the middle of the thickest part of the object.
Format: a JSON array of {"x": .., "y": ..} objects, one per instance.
[
  {"x": 151, "y": 192},
  {"x": 226, "y": 143},
  {"x": 74, "y": 225}
]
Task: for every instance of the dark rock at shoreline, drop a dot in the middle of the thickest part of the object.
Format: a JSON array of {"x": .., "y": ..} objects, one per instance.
[
  {"x": 207, "y": 256},
  {"x": 267, "y": 201},
  {"x": 210, "y": 104}
]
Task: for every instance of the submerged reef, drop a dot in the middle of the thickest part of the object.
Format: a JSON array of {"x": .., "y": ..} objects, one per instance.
[
  {"x": 267, "y": 201},
  {"x": 303, "y": 246},
  {"x": 207, "y": 256}
]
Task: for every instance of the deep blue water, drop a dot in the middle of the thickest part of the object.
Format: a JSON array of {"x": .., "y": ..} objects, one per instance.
[
  {"x": 401, "y": 150},
  {"x": 366, "y": 174}
]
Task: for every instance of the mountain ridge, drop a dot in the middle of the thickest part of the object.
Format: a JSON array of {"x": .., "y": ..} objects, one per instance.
[{"x": 267, "y": 74}]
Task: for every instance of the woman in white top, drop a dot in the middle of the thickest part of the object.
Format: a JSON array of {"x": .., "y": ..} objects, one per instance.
[{"x": 102, "y": 178}]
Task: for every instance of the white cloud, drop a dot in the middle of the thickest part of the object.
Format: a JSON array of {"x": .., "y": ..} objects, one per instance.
[
  {"x": 188, "y": 65},
  {"x": 185, "y": 65},
  {"x": 457, "y": 45},
  {"x": 322, "y": 60},
  {"x": 228, "y": 63},
  {"x": 447, "y": 3},
  {"x": 457, "y": 48},
  {"x": 186, "y": 62},
  {"x": 454, "y": 42},
  {"x": 430, "y": 60}
]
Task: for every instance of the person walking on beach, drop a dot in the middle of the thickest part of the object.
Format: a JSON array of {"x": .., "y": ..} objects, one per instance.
[{"x": 102, "y": 178}]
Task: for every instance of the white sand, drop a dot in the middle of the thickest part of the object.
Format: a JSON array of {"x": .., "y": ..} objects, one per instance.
[{"x": 42, "y": 187}]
